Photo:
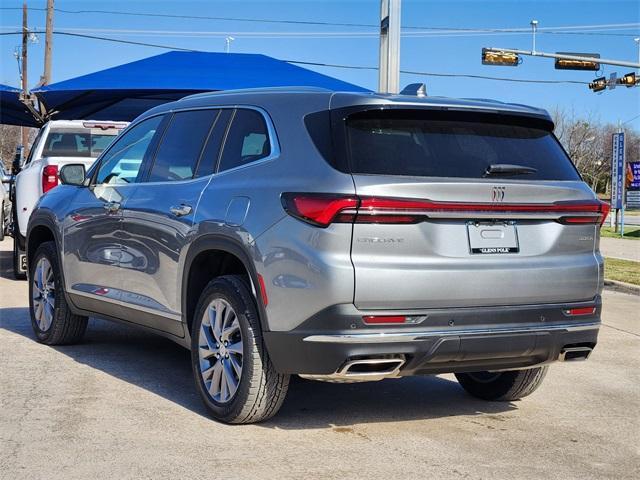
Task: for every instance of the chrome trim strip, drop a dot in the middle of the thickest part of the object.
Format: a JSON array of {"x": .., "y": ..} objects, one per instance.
[
  {"x": 419, "y": 336},
  {"x": 132, "y": 306}
]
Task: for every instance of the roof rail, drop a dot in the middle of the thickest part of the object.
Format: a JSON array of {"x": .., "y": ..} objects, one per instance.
[{"x": 293, "y": 88}]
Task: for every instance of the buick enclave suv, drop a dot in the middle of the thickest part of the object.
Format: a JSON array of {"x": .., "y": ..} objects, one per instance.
[{"x": 336, "y": 236}]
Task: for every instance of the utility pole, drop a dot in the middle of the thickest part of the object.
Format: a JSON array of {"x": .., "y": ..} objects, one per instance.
[
  {"x": 25, "y": 88},
  {"x": 45, "y": 79},
  {"x": 389, "y": 68}
]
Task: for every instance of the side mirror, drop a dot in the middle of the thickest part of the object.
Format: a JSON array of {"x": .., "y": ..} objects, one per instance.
[
  {"x": 18, "y": 158},
  {"x": 72, "y": 174}
]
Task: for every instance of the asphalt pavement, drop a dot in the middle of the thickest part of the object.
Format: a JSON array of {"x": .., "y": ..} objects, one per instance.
[{"x": 122, "y": 405}]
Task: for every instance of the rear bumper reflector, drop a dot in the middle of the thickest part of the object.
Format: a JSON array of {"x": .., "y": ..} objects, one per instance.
[{"x": 580, "y": 311}]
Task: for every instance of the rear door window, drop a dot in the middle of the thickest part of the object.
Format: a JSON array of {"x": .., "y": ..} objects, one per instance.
[
  {"x": 416, "y": 143},
  {"x": 247, "y": 140},
  {"x": 211, "y": 152},
  {"x": 181, "y": 145}
]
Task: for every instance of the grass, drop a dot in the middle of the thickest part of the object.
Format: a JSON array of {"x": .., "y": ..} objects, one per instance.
[
  {"x": 622, "y": 270},
  {"x": 630, "y": 232}
]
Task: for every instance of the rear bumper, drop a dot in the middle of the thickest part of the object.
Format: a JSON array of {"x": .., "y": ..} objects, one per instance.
[{"x": 450, "y": 340}]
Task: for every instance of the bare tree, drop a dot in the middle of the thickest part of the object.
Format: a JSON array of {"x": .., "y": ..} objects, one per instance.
[
  {"x": 10, "y": 138},
  {"x": 588, "y": 143}
]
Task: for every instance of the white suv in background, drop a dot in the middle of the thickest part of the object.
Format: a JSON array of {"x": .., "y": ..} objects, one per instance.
[
  {"x": 58, "y": 143},
  {"x": 5, "y": 201}
]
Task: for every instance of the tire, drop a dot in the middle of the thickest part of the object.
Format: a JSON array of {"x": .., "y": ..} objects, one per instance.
[
  {"x": 62, "y": 327},
  {"x": 2, "y": 219},
  {"x": 17, "y": 274},
  {"x": 502, "y": 386},
  {"x": 259, "y": 389},
  {"x": 16, "y": 245}
]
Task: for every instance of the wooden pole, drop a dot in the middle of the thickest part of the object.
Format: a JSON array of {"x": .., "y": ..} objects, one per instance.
[{"x": 25, "y": 88}]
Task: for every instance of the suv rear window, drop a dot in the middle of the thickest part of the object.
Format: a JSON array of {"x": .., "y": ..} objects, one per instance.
[
  {"x": 430, "y": 144},
  {"x": 77, "y": 143}
]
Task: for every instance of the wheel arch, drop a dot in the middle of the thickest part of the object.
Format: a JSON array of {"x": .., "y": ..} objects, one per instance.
[
  {"x": 211, "y": 256},
  {"x": 40, "y": 231}
]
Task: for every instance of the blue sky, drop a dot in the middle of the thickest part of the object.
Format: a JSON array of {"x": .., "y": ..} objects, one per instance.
[{"x": 450, "y": 53}]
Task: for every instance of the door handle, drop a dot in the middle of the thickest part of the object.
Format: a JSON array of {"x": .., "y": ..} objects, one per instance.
[
  {"x": 111, "y": 207},
  {"x": 181, "y": 211}
]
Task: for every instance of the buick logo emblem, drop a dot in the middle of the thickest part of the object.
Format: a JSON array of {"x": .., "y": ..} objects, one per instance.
[{"x": 497, "y": 194}]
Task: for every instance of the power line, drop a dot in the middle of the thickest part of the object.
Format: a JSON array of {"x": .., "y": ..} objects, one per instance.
[
  {"x": 434, "y": 74},
  {"x": 329, "y": 65},
  {"x": 549, "y": 30},
  {"x": 630, "y": 120},
  {"x": 271, "y": 34},
  {"x": 95, "y": 37}
]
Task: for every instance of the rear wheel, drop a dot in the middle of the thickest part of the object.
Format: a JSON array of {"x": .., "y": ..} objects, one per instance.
[
  {"x": 17, "y": 252},
  {"x": 233, "y": 373},
  {"x": 51, "y": 319},
  {"x": 502, "y": 386}
]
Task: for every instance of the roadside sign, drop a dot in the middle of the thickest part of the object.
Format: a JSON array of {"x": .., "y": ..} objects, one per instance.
[
  {"x": 634, "y": 180},
  {"x": 633, "y": 185},
  {"x": 633, "y": 199},
  {"x": 617, "y": 171}
]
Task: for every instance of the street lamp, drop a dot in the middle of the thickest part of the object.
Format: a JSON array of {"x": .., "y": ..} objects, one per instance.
[{"x": 227, "y": 42}]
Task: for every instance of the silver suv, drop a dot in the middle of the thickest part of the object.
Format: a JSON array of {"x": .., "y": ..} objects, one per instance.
[{"x": 336, "y": 236}]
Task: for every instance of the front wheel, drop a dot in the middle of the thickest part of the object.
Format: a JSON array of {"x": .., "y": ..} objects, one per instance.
[
  {"x": 233, "y": 373},
  {"x": 51, "y": 319},
  {"x": 502, "y": 386}
]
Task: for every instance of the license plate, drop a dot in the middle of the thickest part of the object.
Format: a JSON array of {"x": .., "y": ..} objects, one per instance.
[
  {"x": 489, "y": 238},
  {"x": 23, "y": 262}
]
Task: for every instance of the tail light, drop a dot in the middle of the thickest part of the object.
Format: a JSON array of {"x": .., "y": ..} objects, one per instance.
[
  {"x": 322, "y": 209},
  {"x": 600, "y": 211},
  {"x": 49, "y": 178}
]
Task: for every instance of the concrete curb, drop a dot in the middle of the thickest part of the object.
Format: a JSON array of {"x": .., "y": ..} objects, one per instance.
[{"x": 622, "y": 287}]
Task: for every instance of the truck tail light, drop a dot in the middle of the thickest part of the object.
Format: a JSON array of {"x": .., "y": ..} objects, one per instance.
[
  {"x": 49, "y": 178},
  {"x": 322, "y": 209},
  {"x": 572, "y": 312}
]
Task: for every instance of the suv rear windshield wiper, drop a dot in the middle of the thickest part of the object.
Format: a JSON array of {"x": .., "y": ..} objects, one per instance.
[{"x": 508, "y": 169}]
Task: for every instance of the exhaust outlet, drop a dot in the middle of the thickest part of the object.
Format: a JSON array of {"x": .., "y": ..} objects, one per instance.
[
  {"x": 363, "y": 370},
  {"x": 573, "y": 354}
]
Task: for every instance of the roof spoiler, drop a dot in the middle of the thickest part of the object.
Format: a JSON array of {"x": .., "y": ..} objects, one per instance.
[{"x": 415, "y": 89}]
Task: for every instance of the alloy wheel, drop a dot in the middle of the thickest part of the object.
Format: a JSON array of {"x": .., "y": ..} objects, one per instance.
[
  {"x": 220, "y": 351},
  {"x": 44, "y": 290}
]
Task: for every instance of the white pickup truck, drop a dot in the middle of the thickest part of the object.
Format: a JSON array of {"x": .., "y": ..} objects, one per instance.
[{"x": 58, "y": 143}]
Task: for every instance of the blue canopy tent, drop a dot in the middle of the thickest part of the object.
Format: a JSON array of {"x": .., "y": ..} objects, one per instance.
[
  {"x": 12, "y": 110},
  {"x": 125, "y": 91}
]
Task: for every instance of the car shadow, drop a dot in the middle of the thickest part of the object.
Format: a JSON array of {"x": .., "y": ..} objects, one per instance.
[{"x": 164, "y": 368}]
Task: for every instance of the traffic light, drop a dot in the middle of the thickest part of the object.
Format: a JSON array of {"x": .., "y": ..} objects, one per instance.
[
  {"x": 565, "y": 64},
  {"x": 505, "y": 59},
  {"x": 598, "y": 84},
  {"x": 629, "y": 80}
]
